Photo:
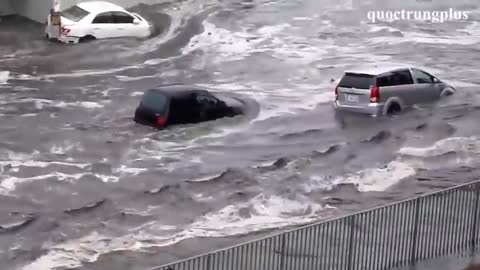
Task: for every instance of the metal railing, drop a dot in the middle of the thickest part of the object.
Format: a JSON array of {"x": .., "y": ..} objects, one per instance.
[{"x": 394, "y": 235}]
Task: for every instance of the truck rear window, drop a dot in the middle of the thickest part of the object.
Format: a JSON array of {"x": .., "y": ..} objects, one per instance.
[
  {"x": 75, "y": 13},
  {"x": 360, "y": 81}
]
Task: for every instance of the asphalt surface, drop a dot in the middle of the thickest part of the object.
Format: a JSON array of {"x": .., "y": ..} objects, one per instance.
[{"x": 83, "y": 187}]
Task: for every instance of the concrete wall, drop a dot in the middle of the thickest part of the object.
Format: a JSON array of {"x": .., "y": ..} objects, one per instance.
[
  {"x": 5, "y": 7},
  {"x": 36, "y": 10}
]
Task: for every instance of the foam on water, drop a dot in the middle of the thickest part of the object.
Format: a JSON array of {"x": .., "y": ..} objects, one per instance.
[
  {"x": 65, "y": 147},
  {"x": 454, "y": 144},
  {"x": 179, "y": 13},
  {"x": 287, "y": 100},
  {"x": 84, "y": 104},
  {"x": 280, "y": 40},
  {"x": 380, "y": 179},
  {"x": 415, "y": 37},
  {"x": 84, "y": 73},
  {"x": 9, "y": 183},
  {"x": 366, "y": 180},
  {"x": 264, "y": 212},
  {"x": 74, "y": 253},
  {"x": 4, "y": 76},
  {"x": 226, "y": 44},
  {"x": 12, "y": 162}
]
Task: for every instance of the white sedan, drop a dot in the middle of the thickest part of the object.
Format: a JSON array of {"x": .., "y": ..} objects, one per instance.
[{"x": 97, "y": 20}]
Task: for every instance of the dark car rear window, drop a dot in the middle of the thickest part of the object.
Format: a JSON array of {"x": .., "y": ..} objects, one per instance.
[
  {"x": 360, "y": 81},
  {"x": 154, "y": 101},
  {"x": 74, "y": 13}
]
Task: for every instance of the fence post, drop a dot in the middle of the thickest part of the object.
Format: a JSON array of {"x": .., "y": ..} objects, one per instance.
[
  {"x": 282, "y": 259},
  {"x": 209, "y": 261},
  {"x": 473, "y": 238},
  {"x": 413, "y": 254},
  {"x": 350, "y": 242}
]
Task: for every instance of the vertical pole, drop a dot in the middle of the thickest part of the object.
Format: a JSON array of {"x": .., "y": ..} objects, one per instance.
[
  {"x": 350, "y": 242},
  {"x": 474, "y": 235},
  {"x": 55, "y": 23},
  {"x": 209, "y": 261},
  {"x": 282, "y": 259},
  {"x": 413, "y": 254}
]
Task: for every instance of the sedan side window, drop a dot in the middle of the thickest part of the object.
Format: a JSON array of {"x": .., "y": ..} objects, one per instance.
[
  {"x": 105, "y": 17},
  {"x": 121, "y": 17},
  {"x": 422, "y": 77}
]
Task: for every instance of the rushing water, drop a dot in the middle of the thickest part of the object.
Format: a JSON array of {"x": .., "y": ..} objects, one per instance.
[{"x": 83, "y": 187}]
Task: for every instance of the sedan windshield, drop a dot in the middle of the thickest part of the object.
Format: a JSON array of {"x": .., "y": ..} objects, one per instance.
[{"x": 75, "y": 13}]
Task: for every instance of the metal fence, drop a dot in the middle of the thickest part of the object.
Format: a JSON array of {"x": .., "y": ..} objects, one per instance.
[{"x": 395, "y": 235}]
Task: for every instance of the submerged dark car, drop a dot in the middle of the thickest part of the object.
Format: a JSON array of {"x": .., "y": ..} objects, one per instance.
[{"x": 174, "y": 104}]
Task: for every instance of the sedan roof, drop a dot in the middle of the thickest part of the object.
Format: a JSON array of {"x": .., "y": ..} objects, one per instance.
[{"x": 99, "y": 6}]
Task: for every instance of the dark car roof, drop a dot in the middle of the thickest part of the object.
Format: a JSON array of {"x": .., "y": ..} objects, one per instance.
[{"x": 177, "y": 90}]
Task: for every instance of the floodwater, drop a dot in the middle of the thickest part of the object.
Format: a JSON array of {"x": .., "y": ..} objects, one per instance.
[{"x": 84, "y": 187}]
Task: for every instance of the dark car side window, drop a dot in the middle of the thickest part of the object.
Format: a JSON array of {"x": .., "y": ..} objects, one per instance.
[
  {"x": 401, "y": 77},
  {"x": 121, "y": 17},
  {"x": 360, "y": 81},
  {"x": 422, "y": 77},
  {"x": 106, "y": 17}
]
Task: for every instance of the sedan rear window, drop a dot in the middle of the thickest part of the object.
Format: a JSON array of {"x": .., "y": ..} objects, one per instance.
[
  {"x": 154, "y": 101},
  {"x": 75, "y": 13},
  {"x": 360, "y": 81}
]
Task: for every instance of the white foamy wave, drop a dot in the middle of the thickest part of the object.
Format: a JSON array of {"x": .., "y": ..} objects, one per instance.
[
  {"x": 66, "y": 147},
  {"x": 456, "y": 83},
  {"x": 380, "y": 179},
  {"x": 265, "y": 212},
  {"x": 302, "y": 18},
  {"x": 84, "y": 104},
  {"x": 84, "y": 73},
  {"x": 287, "y": 100},
  {"x": 74, "y": 253},
  {"x": 415, "y": 37},
  {"x": 41, "y": 103},
  {"x": 227, "y": 44},
  {"x": 129, "y": 79},
  {"x": 4, "y": 76},
  {"x": 376, "y": 28},
  {"x": 40, "y": 164},
  {"x": 9, "y": 183},
  {"x": 179, "y": 14},
  {"x": 15, "y": 156},
  {"x": 371, "y": 179},
  {"x": 455, "y": 144},
  {"x": 129, "y": 170}
]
